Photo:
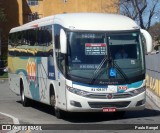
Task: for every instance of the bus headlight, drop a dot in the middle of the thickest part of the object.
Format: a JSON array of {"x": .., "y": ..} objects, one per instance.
[
  {"x": 77, "y": 91},
  {"x": 138, "y": 91}
]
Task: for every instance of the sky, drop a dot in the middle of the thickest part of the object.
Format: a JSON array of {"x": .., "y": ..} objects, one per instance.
[{"x": 156, "y": 18}]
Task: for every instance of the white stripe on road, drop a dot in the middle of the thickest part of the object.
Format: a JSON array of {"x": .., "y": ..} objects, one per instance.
[{"x": 15, "y": 120}]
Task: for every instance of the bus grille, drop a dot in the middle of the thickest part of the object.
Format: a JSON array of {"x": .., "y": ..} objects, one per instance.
[
  {"x": 115, "y": 96},
  {"x": 108, "y": 104}
]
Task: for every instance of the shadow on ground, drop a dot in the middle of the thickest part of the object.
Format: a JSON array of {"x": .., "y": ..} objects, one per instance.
[{"x": 94, "y": 117}]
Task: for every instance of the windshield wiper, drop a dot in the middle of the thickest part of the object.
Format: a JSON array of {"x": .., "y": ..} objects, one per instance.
[
  {"x": 110, "y": 64},
  {"x": 114, "y": 64},
  {"x": 97, "y": 71}
]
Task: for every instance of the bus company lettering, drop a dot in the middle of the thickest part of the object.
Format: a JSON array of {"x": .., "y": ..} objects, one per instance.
[
  {"x": 31, "y": 71},
  {"x": 51, "y": 74}
]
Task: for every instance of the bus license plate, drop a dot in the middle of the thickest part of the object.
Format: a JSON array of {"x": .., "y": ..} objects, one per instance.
[{"x": 109, "y": 109}]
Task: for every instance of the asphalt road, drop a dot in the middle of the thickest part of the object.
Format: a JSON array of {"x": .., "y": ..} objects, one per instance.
[{"x": 42, "y": 114}]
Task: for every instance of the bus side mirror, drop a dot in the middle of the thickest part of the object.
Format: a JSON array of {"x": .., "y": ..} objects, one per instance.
[
  {"x": 63, "y": 41},
  {"x": 148, "y": 40}
]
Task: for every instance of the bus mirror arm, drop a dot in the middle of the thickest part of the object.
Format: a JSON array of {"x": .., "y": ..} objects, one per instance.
[
  {"x": 63, "y": 42},
  {"x": 148, "y": 40}
]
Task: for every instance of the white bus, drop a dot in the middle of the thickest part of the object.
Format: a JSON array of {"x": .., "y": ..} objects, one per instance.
[{"x": 80, "y": 62}]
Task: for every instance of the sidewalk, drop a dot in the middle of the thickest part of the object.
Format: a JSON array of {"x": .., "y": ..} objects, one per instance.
[
  {"x": 4, "y": 118},
  {"x": 7, "y": 118},
  {"x": 154, "y": 98}
]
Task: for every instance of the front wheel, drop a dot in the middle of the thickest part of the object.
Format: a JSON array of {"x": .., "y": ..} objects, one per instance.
[{"x": 57, "y": 112}]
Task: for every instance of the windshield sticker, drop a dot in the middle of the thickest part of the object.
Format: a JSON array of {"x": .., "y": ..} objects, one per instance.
[
  {"x": 112, "y": 72},
  {"x": 112, "y": 89},
  {"x": 95, "y": 49},
  {"x": 134, "y": 34},
  {"x": 89, "y": 66},
  {"x": 133, "y": 62}
]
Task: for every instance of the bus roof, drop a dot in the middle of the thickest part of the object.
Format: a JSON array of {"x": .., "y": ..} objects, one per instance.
[{"x": 84, "y": 21}]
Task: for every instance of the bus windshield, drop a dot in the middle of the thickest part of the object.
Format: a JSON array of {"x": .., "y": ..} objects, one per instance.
[{"x": 91, "y": 55}]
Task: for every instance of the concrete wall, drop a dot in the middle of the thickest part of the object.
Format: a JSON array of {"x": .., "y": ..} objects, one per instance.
[
  {"x": 153, "y": 72},
  {"x": 51, "y": 7}
]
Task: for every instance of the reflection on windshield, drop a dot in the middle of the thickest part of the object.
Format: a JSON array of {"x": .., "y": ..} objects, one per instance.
[{"x": 86, "y": 52}]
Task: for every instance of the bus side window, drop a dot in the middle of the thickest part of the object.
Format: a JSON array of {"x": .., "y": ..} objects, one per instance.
[{"x": 11, "y": 44}]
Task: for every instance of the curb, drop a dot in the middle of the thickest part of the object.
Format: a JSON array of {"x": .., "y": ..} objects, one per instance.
[
  {"x": 2, "y": 80},
  {"x": 15, "y": 120},
  {"x": 154, "y": 98}
]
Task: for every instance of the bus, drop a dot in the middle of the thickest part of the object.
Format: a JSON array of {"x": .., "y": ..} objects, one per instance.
[{"x": 69, "y": 61}]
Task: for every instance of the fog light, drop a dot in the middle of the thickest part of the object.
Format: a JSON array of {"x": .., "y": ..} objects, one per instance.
[
  {"x": 76, "y": 104},
  {"x": 141, "y": 102}
]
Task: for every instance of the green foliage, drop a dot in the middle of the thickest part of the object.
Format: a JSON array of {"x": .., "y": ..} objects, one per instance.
[
  {"x": 4, "y": 56},
  {"x": 3, "y": 75}
]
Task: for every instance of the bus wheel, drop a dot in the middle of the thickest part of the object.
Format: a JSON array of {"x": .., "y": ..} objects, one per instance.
[
  {"x": 24, "y": 100},
  {"x": 57, "y": 111}
]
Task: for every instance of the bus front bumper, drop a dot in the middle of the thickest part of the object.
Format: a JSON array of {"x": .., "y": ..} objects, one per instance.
[{"x": 76, "y": 103}]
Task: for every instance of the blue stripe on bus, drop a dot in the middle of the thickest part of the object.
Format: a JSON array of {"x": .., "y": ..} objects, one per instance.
[{"x": 136, "y": 84}]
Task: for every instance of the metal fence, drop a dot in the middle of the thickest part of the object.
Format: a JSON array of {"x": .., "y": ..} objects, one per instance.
[{"x": 153, "y": 72}]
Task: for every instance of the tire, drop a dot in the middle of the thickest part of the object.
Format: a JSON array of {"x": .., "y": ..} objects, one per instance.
[
  {"x": 24, "y": 100},
  {"x": 57, "y": 112}
]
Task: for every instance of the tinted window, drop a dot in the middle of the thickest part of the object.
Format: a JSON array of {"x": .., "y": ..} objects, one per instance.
[{"x": 32, "y": 42}]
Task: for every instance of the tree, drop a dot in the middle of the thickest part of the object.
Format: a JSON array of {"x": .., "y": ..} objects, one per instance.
[
  {"x": 141, "y": 11},
  {"x": 155, "y": 33},
  {"x": 2, "y": 19},
  {"x": 2, "y": 15}
]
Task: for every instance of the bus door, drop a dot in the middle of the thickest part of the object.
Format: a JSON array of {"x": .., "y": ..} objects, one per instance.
[{"x": 60, "y": 81}]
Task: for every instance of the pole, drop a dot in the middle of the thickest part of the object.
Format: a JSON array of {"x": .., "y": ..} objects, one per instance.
[
  {"x": 0, "y": 43},
  {"x": 0, "y": 51}
]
